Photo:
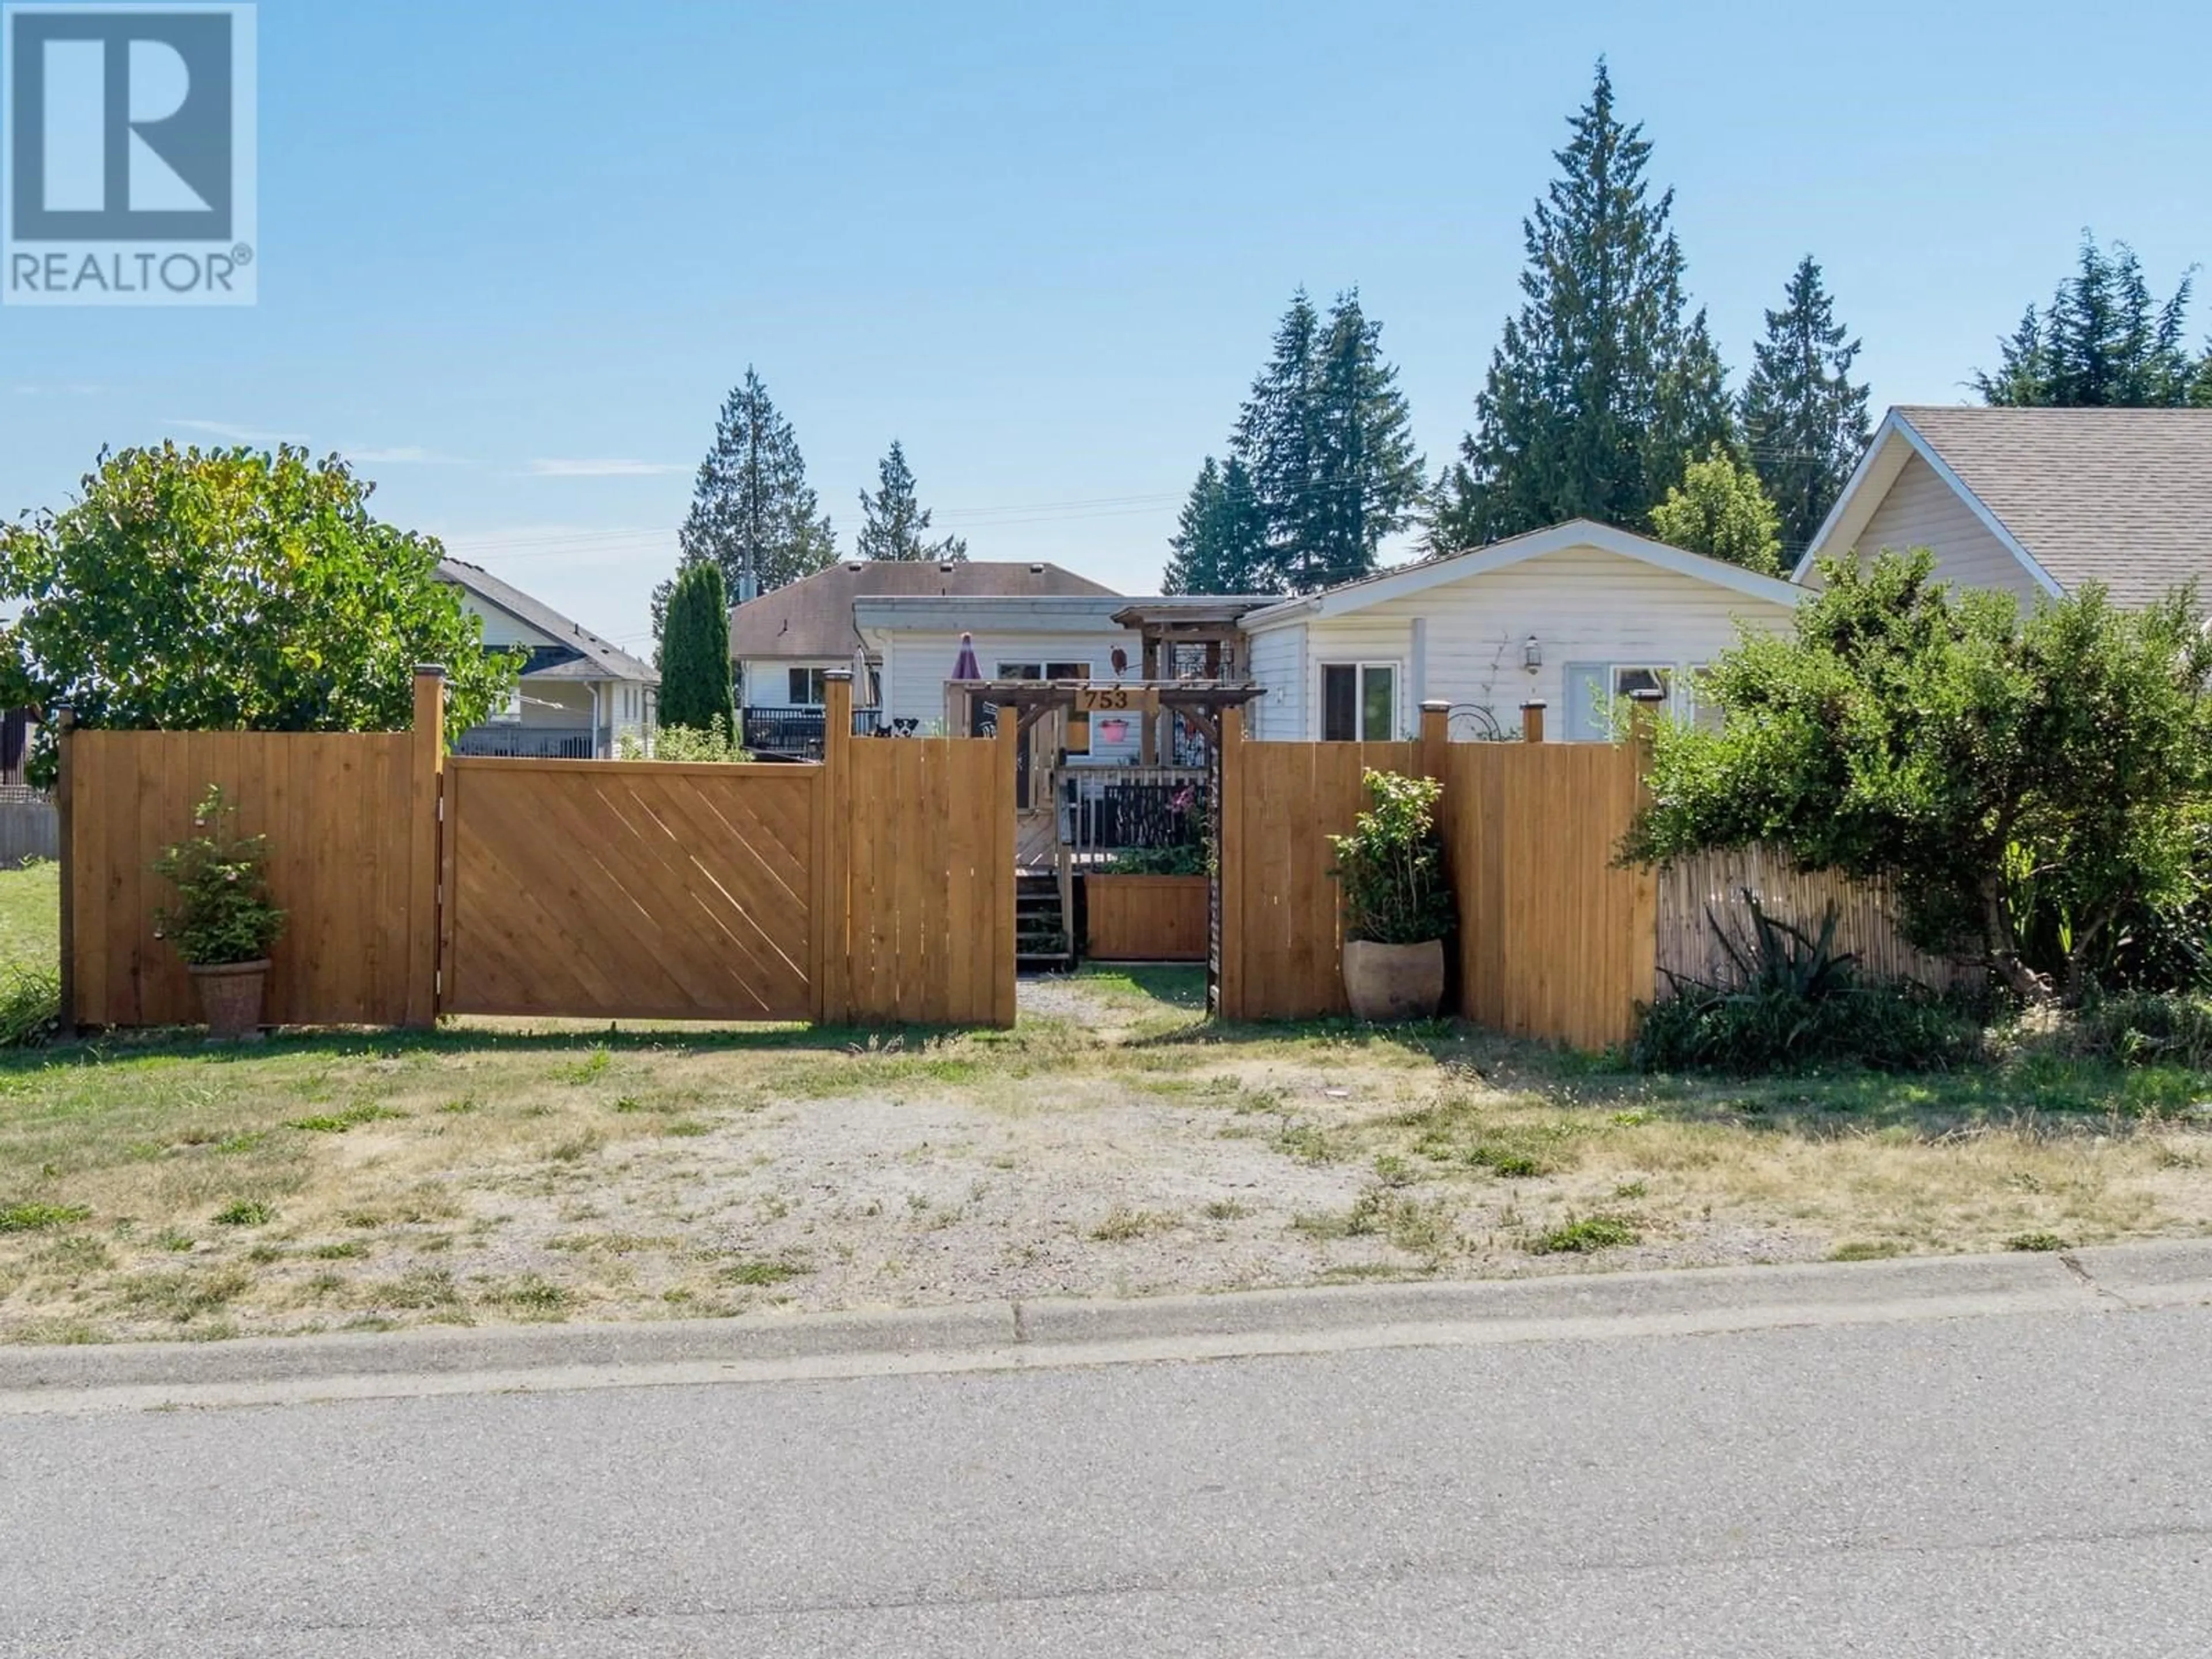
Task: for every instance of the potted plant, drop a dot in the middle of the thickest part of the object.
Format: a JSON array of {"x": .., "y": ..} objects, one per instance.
[
  {"x": 1397, "y": 903},
  {"x": 223, "y": 922}
]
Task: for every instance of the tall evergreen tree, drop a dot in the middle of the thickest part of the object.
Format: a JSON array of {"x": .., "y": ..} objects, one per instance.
[
  {"x": 892, "y": 519},
  {"x": 753, "y": 514},
  {"x": 694, "y": 652},
  {"x": 1370, "y": 478},
  {"x": 1220, "y": 543},
  {"x": 2104, "y": 343},
  {"x": 1804, "y": 422},
  {"x": 1605, "y": 385},
  {"x": 1326, "y": 439}
]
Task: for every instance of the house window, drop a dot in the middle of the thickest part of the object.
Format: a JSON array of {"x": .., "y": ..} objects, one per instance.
[
  {"x": 1044, "y": 671},
  {"x": 1596, "y": 690},
  {"x": 511, "y": 709},
  {"x": 806, "y": 688},
  {"x": 1358, "y": 701}
]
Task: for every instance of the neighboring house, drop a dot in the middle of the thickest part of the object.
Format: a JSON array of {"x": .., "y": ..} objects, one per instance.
[
  {"x": 2031, "y": 501},
  {"x": 578, "y": 696},
  {"x": 784, "y": 641},
  {"x": 1576, "y": 616}
]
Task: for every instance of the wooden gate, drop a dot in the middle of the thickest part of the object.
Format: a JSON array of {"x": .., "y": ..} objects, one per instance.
[{"x": 633, "y": 889}]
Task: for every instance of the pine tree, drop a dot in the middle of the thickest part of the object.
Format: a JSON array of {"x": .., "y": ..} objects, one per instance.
[
  {"x": 1220, "y": 543},
  {"x": 1720, "y": 510},
  {"x": 1605, "y": 386},
  {"x": 753, "y": 514},
  {"x": 1804, "y": 422},
  {"x": 1279, "y": 440},
  {"x": 1326, "y": 439},
  {"x": 2104, "y": 343},
  {"x": 892, "y": 519},
  {"x": 1370, "y": 477},
  {"x": 694, "y": 652}
]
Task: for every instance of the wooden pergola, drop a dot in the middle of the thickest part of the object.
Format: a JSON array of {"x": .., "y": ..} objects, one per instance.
[{"x": 1199, "y": 701}]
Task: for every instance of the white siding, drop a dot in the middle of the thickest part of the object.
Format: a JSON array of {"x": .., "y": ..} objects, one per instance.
[
  {"x": 765, "y": 682},
  {"x": 1582, "y": 605},
  {"x": 915, "y": 664},
  {"x": 1279, "y": 656},
  {"x": 1922, "y": 510}
]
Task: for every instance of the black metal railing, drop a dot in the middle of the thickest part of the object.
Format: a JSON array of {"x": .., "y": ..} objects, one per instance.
[
  {"x": 529, "y": 742},
  {"x": 1111, "y": 809}
]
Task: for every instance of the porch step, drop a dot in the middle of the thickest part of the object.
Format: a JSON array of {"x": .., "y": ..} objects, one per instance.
[{"x": 1041, "y": 940}]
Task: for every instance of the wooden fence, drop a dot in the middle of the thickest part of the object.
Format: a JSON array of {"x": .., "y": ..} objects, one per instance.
[
  {"x": 1146, "y": 918},
  {"x": 351, "y": 820},
  {"x": 1701, "y": 898},
  {"x": 876, "y": 886},
  {"x": 30, "y": 826},
  {"x": 1554, "y": 939}
]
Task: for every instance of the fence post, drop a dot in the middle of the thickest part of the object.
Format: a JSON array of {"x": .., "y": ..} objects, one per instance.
[
  {"x": 427, "y": 940},
  {"x": 1005, "y": 943},
  {"x": 1532, "y": 720},
  {"x": 64, "y": 726},
  {"x": 833, "y": 830},
  {"x": 1436, "y": 736},
  {"x": 1229, "y": 866}
]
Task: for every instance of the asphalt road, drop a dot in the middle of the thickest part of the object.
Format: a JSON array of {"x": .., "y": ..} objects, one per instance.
[{"x": 2015, "y": 1486}]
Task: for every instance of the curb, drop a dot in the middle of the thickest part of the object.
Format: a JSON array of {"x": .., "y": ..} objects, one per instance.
[{"x": 1011, "y": 1335}]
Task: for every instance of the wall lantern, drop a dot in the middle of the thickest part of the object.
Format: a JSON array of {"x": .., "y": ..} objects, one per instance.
[{"x": 1532, "y": 655}]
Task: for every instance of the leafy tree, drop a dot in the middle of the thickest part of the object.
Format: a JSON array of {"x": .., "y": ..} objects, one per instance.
[
  {"x": 1989, "y": 764},
  {"x": 753, "y": 514},
  {"x": 1605, "y": 386},
  {"x": 230, "y": 590},
  {"x": 1719, "y": 510},
  {"x": 696, "y": 688},
  {"x": 2104, "y": 343},
  {"x": 1220, "y": 543},
  {"x": 1326, "y": 439},
  {"x": 1804, "y": 422},
  {"x": 892, "y": 519}
]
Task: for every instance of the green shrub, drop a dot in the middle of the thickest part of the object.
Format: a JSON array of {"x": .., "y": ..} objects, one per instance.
[
  {"x": 1392, "y": 865},
  {"x": 2147, "y": 1029},
  {"x": 1797, "y": 1002},
  {"x": 30, "y": 1007},
  {"x": 713, "y": 743},
  {"x": 224, "y": 913},
  {"x": 1188, "y": 860}
]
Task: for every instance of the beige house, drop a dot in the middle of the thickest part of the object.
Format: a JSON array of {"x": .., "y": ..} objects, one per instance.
[
  {"x": 579, "y": 696},
  {"x": 2031, "y": 501},
  {"x": 1577, "y": 617},
  {"x": 785, "y": 641}
]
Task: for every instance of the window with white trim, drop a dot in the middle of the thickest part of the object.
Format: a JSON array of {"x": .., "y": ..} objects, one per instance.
[
  {"x": 1596, "y": 690},
  {"x": 1358, "y": 701},
  {"x": 807, "y": 686}
]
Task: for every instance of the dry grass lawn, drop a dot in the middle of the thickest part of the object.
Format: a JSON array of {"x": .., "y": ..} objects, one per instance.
[{"x": 1113, "y": 1144}]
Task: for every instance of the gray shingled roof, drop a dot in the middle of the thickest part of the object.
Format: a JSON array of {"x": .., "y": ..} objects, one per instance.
[
  {"x": 813, "y": 617},
  {"x": 584, "y": 656},
  {"x": 2123, "y": 496}
]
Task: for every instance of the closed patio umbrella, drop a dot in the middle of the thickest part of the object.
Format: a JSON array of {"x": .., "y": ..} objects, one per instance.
[{"x": 966, "y": 667}]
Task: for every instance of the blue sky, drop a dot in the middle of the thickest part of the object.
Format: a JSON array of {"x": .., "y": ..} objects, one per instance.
[{"x": 513, "y": 255}]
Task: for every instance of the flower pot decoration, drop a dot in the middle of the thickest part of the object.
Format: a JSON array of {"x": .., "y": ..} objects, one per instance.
[
  {"x": 223, "y": 921},
  {"x": 1398, "y": 905}
]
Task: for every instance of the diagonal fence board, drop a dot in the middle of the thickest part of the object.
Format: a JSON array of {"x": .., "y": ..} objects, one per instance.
[{"x": 636, "y": 889}]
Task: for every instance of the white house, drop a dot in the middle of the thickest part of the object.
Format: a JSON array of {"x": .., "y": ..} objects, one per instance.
[
  {"x": 579, "y": 696},
  {"x": 2032, "y": 501},
  {"x": 1575, "y": 616}
]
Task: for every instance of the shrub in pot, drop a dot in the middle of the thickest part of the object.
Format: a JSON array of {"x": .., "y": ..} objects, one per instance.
[
  {"x": 1397, "y": 902},
  {"x": 222, "y": 923}
]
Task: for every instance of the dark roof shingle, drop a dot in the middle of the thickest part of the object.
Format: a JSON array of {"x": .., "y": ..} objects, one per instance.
[{"x": 585, "y": 656}]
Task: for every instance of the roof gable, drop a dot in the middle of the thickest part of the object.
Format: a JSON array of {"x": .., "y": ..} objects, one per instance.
[
  {"x": 2121, "y": 496},
  {"x": 1408, "y": 580},
  {"x": 813, "y": 617},
  {"x": 601, "y": 658}
]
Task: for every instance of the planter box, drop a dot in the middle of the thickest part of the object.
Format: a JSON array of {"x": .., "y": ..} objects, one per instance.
[{"x": 1146, "y": 918}]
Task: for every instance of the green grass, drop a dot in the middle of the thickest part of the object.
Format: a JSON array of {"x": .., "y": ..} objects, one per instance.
[
  {"x": 30, "y": 917},
  {"x": 40, "y": 1217},
  {"x": 336, "y": 1123},
  {"x": 1586, "y": 1235}
]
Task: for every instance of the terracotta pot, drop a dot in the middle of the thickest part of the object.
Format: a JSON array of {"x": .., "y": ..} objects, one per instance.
[
  {"x": 1393, "y": 982},
  {"x": 230, "y": 997}
]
